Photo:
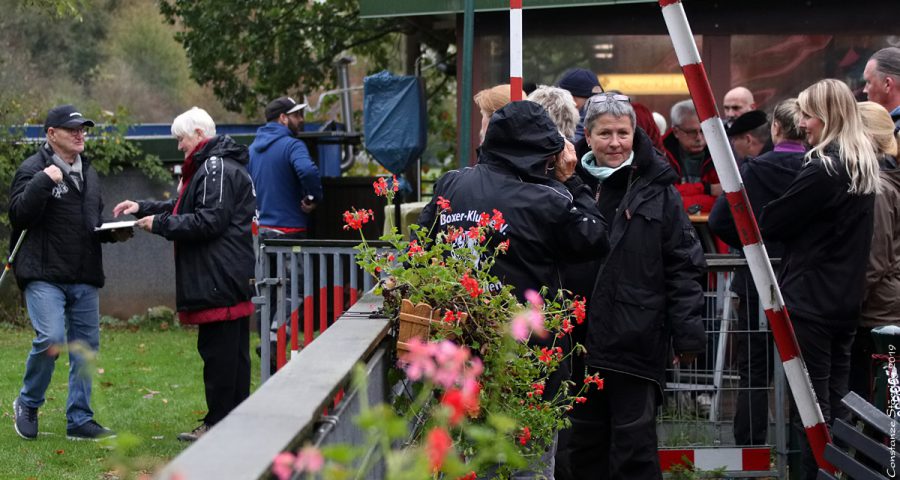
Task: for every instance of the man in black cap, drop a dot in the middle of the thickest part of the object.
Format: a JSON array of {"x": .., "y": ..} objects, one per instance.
[
  {"x": 582, "y": 84},
  {"x": 750, "y": 135},
  {"x": 55, "y": 197},
  {"x": 287, "y": 182}
]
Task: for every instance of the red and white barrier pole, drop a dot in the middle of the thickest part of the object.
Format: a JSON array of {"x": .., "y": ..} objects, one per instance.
[
  {"x": 754, "y": 250},
  {"x": 515, "y": 50}
]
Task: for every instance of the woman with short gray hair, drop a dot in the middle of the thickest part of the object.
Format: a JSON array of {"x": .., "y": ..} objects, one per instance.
[{"x": 560, "y": 105}]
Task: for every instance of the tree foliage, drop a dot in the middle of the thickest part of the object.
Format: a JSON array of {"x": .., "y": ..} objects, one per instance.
[{"x": 252, "y": 50}]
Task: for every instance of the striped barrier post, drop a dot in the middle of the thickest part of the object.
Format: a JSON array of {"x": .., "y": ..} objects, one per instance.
[
  {"x": 515, "y": 50},
  {"x": 754, "y": 250}
]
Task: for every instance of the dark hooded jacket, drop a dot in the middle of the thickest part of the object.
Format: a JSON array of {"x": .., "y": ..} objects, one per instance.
[
  {"x": 546, "y": 223},
  {"x": 284, "y": 174},
  {"x": 61, "y": 244},
  {"x": 765, "y": 178},
  {"x": 214, "y": 258},
  {"x": 827, "y": 232},
  {"x": 647, "y": 295}
]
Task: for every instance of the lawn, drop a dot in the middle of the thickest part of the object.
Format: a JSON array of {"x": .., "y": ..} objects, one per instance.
[{"x": 147, "y": 387}]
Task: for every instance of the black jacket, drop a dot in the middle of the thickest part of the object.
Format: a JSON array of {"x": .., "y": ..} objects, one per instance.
[
  {"x": 214, "y": 258},
  {"x": 546, "y": 223},
  {"x": 61, "y": 244},
  {"x": 765, "y": 178},
  {"x": 827, "y": 233},
  {"x": 647, "y": 293}
]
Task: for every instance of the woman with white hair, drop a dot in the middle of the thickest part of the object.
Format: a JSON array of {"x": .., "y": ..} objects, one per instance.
[
  {"x": 824, "y": 220},
  {"x": 560, "y": 105},
  {"x": 210, "y": 223}
]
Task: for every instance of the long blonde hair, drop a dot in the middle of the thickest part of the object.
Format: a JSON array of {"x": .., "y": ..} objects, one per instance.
[
  {"x": 492, "y": 99},
  {"x": 878, "y": 124},
  {"x": 832, "y": 102}
]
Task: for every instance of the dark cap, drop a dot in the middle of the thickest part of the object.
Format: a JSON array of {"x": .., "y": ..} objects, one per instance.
[
  {"x": 285, "y": 105},
  {"x": 66, "y": 116},
  {"x": 746, "y": 122},
  {"x": 580, "y": 82}
]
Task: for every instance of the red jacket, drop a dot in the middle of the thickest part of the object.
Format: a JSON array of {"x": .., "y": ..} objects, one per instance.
[{"x": 694, "y": 193}]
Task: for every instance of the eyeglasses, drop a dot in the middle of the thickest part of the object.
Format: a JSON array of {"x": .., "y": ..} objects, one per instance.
[
  {"x": 608, "y": 97},
  {"x": 691, "y": 133},
  {"x": 75, "y": 132}
]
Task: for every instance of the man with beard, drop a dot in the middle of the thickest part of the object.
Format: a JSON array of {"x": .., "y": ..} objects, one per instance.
[{"x": 286, "y": 180}]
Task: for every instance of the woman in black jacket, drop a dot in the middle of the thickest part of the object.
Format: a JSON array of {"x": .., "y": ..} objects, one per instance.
[
  {"x": 824, "y": 220},
  {"x": 765, "y": 178},
  {"x": 646, "y": 296},
  {"x": 210, "y": 223}
]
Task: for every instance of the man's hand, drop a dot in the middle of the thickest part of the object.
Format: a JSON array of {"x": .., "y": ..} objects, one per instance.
[
  {"x": 566, "y": 161},
  {"x": 122, "y": 234},
  {"x": 127, "y": 207},
  {"x": 54, "y": 173},
  {"x": 307, "y": 205},
  {"x": 145, "y": 223},
  {"x": 685, "y": 358}
]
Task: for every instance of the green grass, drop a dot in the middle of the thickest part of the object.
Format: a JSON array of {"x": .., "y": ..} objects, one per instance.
[{"x": 148, "y": 387}]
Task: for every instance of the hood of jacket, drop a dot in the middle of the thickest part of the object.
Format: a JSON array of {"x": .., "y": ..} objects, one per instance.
[
  {"x": 268, "y": 134},
  {"x": 224, "y": 146},
  {"x": 520, "y": 137},
  {"x": 776, "y": 171}
]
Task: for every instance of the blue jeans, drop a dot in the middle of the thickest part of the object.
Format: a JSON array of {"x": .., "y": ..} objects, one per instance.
[{"x": 62, "y": 313}]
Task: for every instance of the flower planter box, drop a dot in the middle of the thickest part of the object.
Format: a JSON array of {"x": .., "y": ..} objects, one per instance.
[{"x": 416, "y": 321}]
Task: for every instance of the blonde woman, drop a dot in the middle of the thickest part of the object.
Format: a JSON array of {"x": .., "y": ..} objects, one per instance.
[
  {"x": 824, "y": 220},
  {"x": 882, "y": 301},
  {"x": 489, "y": 101}
]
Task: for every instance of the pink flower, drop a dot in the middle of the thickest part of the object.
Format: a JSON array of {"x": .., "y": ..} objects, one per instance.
[
  {"x": 419, "y": 361},
  {"x": 527, "y": 322},
  {"x": 534, "y": 298},
  {"x": 283, "y": 465},
  {"x": 309, "y": 459}
]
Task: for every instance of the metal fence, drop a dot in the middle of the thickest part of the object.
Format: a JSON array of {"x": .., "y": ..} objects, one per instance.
[
  {"x": 726, "y": 413},
  {"x": 718, "y": 415}
]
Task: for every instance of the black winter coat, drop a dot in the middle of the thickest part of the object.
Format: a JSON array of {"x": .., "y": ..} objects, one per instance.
[
  {"x": 647, "y": 295},
  {"x": 546, "y": 223},
  {"x": 765, "y": 178},
  {"x": 61, "y": 244},
  {"x": 214, "y": 259},
  {"x": 827, "y": 233}
]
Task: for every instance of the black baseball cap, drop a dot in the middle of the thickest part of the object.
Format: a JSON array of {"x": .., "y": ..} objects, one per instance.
[
  {"x": 285, "y": 105},
  {"x": 66, "y": 116},
  {"x": 746, "y": 122}
]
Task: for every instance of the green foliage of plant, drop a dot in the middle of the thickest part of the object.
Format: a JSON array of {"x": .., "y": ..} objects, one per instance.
[
  {"x": 491, "y": 417},
  {"x": 251, "y": 51}
]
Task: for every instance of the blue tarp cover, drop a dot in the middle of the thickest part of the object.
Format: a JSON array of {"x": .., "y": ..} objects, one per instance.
[{"x": 394, "y": 118}]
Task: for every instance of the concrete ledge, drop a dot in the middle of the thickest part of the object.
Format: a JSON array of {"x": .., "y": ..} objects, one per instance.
[{"x": 282, "y": 413}]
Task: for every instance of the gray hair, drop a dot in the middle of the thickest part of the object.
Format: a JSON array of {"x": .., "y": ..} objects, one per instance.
[
  {"x": 887, "y": 62},
  {"x": 609, "y": 106},
  {"x": 682, "y": 110},
  {"x": 560, "y": 106},
  {"x": 194, "y": 119}
]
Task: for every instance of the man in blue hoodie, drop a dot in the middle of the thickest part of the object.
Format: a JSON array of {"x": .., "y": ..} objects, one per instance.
[{"x": 286, "y": 179}]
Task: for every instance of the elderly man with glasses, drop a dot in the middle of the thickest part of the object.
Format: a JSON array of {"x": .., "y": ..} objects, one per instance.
[
  {"x": 54, "y": 208},
  {"x": 689, "y": 156}
]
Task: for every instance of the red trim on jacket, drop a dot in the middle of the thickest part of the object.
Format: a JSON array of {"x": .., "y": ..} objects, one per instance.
[{"x": 219, "y": 314}]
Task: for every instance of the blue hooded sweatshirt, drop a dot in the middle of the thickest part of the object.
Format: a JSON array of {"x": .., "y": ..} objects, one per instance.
[{"x": 283, "y": 175}]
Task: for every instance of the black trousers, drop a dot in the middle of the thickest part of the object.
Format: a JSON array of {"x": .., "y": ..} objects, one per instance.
[
  {"x": 826, "y": 352},
  {"x": 614, "y": 433},
  {"x": 755, "y": 362},
  {"x": 861, "y": 372},
  {"x": 225, "y": 350}
]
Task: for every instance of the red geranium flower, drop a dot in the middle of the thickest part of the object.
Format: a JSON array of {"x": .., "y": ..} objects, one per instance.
[
  {"x": 461, "y": 402},
  {"x": 355, "y": 219},
  {"x": 437, "y": 445},
  {"x": 443, "y": 204},
  {"x": 578, "y": 309},
  {"x": 525, "y": 436},
  {"x": 471, "y": 285}
]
